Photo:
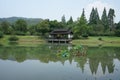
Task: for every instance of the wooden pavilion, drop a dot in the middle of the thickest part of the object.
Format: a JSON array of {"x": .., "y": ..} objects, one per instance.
[{"x": 60, "y": 36}]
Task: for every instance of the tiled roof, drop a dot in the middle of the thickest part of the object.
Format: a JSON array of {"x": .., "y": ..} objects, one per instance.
[{"x": 61, "y": 31}]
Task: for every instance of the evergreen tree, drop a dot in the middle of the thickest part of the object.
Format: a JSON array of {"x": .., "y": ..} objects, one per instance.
[
  {"x": 104, "y": 19},
  {"x": 70, "y": 21},
  {"x": 111, "y": 16},
  {"x": 63, "y": 20},
  {"x": 118, "y": 25},
  {"x": 97, "y": 19},
  {"x": 94, "y": 21},
  {"x": 94, "y": 17},
  {"x": 117, "y": 31},
  {"x": 83, "y": 18},
  {"x": 81, "y": 28}
]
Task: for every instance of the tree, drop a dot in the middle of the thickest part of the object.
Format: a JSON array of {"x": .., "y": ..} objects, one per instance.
[
  {"x": 104, "y": 19},
  {"x": 63, "y": 20},
  {"x": 5, "y": 27},
  {"x": 32, "y": 29},
  {"x": 56, "y": 25},
  {"x": 43, "y": 27},
  {"x": 94, "y": 17},
  {"x": 111, "y": 15},
  {"x": 70, "y": 23},
  {"x": 81, "y": 28},
  {"x": 98, "y": 28},
  {"x": 20, "y": 27},
  {"x": 117, "y": 31},
  {"x": 95, "y": 23},
  {"x": 1, "y": 34},
  {"x": 118, "y": 25},
  {"x": 97, "y": 19}
]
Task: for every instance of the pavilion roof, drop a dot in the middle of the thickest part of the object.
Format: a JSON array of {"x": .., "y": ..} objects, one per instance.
[{"x": 60, "y": 31}]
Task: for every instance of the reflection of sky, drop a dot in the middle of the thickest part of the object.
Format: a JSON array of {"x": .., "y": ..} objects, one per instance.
[
  {"x": 36, "y": 70},
  {"x": 116, "y": 74}
]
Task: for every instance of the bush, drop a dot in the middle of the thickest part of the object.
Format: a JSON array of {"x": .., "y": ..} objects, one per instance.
[
  {"x": 20, "y": 33},
  {"x": 85, "y": 36},
  {"x": 117, "y": 33},
  {"x": 1, "y": 44},
  {"x": 13, "y": 43},
  {"x": 1, "y": 34},
  {"x": 100, "y": 38},
  {"x": 13, "y": 38}
]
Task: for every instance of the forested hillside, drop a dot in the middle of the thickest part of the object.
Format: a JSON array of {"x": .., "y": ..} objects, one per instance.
[{"x": 30, "y": 21}]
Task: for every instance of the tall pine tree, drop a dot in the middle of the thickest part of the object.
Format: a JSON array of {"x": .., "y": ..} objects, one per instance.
[
  {"x": 70, "y": 23},
  {"x": 94, "y": 17},
  {"x": 63, "y": 20},
  {"x": 83, "y": 18},
  {"x": 97, "y": 19},
  {"x": 104, "y": 19},
  {"x": 111, "y": 16},
  {"x": 81, "y": 27},
  {"x": 95, "y": 23}
]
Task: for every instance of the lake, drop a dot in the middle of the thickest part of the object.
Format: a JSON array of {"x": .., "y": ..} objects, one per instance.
[{"x": 45, "y": 62}]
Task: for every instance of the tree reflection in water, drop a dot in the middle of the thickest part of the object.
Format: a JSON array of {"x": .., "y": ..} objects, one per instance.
[{"x": 103, "y": 57}]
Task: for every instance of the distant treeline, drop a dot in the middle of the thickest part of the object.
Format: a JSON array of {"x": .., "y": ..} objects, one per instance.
[
  {"x": 30, "y": 21},
  {"x": 95, "y": 26}
]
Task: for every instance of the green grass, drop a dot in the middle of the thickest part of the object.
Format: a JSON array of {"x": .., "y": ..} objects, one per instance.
[
  {"x": 23, "y": 41},
  {"x": 91, "y": 41}
]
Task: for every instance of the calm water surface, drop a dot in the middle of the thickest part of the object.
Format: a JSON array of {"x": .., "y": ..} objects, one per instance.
[{"x": 43, "y": 63}]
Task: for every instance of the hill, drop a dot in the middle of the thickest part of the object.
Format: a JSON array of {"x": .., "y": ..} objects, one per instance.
[{"x": 30, "y": 21}]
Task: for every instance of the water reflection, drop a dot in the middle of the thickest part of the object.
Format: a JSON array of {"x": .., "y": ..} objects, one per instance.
[{"x": 97, "y": 60}]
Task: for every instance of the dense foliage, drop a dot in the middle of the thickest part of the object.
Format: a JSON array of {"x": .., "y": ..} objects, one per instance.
[
  {"x": 13, "y": 38},
  {"x": 1, "y": 34},
  {"x": 81, "y": 27},
  {"x": 95, "y": 26}
]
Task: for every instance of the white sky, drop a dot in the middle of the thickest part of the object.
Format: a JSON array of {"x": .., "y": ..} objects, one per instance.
[{"x": 55, "y": 9}]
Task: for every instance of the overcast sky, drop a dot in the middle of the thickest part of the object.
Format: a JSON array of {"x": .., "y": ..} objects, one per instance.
[{"x": 55, "y": 9}]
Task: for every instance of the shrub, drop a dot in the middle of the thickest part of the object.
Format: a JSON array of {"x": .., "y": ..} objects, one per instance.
[
  {"x": 85, "y": 36},
  {"x": 13, "y": 38},
  {"x": 117, "y": 33},
  {"x": 20, "y": 33},
  {"x": 100, "y": 38},
  {"x": 1, "y": 45},
  {"x": 1, "y": 34},
  {"x": 13, "y": 43}
]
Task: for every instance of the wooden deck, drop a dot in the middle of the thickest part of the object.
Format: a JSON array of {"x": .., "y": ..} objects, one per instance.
[{"x": 59, "y": 40}]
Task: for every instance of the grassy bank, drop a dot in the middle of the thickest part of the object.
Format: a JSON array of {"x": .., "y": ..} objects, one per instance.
[
  {"x": 94, "y": 41},
  {"x": 91, "y": 41},
  {"x": 23, "y": 41}
]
